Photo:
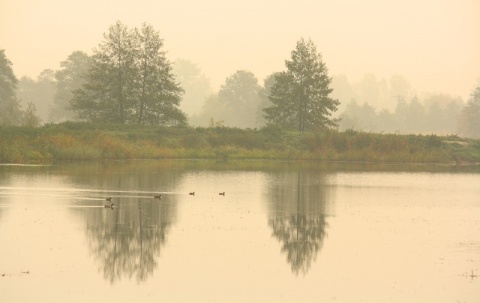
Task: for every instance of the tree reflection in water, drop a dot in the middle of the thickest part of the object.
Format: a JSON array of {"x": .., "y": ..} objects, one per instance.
[
  {"x": 127, "y": 241},
  {"x": 298, "y": 216}
]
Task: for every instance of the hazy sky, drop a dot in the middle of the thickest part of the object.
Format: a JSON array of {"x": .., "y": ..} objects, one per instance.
[{"x": 435, "y": 44}]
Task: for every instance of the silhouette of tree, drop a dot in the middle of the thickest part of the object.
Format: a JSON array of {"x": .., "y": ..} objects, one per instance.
[{"x": 301, "y": 95}]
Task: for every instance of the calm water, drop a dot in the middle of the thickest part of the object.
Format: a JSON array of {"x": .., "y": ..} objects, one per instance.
[{"x": 283, "y": 232}]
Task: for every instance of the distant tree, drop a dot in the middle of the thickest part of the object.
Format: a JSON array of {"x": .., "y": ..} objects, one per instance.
[
  {"x": 452, "y": 115},
  {"x": 196, "y": 85},
  {"x": 69, "y": 78},
  {"x": 9, "y": 106},
  {"x": 130, "y": 81},
  {"x": 401, "y": 114},
  {"x": 415, "y": 120},
  {"x": 45, "y": 90},
  {"x": 385, "y": 122},
  {"x": 469, "y": 123},
  {"x": 30, "y": 117},
  {"x": 435, "y": 119},
  {"x": 39, "y": 92},
  {"x": 300, "y": 95},
  {"x": 349, "y": 118},
  {"x": 372, "y": 90},
  {"x": 213, "y": 111},
  {"x": 342, "y": 90},
  {"x": 241, "y": 96},
  {"x": 357, "y": 117}
]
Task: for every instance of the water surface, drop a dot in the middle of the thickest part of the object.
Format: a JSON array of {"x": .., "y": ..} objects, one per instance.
[{"x": 283, "y": 232}]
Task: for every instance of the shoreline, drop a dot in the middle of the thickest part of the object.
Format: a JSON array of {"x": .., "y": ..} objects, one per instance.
[{"x": 80, "y": 141}]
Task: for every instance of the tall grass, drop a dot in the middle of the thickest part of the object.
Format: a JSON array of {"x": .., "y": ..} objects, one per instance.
[{"x": 86, "y": 141}]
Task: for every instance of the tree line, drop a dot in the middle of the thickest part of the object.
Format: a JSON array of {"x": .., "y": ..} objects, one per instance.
[{"x": 129, "y": 80}]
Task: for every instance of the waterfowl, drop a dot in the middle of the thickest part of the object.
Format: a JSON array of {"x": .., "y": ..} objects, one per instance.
[
  {"x": 192, "y": 193},
  {"x": 109, "y": 205},
  {"x": 157, "y": 196},
  {"x": 109, "y": 199},
  {"x": 222, "y": 194}
]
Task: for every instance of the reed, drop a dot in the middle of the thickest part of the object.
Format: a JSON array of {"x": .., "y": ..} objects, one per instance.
[{"x": 87, "y": 141}]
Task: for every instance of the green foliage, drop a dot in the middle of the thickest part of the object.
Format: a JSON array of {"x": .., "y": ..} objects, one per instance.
[
  {"x": 130, "y": 81},
  {"x": 300, "y": 95},
  {"x": 9, "y": 106}
]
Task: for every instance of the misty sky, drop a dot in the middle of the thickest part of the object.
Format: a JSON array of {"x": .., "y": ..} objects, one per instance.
[{"x": 434, "y": 44}]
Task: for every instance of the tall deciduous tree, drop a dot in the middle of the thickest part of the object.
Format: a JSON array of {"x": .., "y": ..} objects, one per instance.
[
  {"x": 158, "y": 95},
  {"x": 108, "y": 93},
  {"x": 130, "y": 81},
  {"x": 300, "y": 95},
  {"x": 9, "y": 106}
]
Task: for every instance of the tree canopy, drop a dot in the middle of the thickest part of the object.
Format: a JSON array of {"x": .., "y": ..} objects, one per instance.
[
  {"x": 300, "y": 95},
  {"x": 130, "y": 81},
  {"x": 9, "y": 106}
]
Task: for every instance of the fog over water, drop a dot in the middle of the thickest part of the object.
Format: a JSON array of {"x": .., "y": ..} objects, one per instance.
[{"x": 433, "y": 44}]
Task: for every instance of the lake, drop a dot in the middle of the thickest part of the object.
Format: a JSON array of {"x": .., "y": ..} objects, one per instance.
[{"x": 283, "y": 232}]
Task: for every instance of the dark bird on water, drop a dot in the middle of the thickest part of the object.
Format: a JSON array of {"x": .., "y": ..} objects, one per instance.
[
  {"x": 109, "y": 206},
  {"x": 222, "y": 194},
  {"x": 157, "y": 196},
  {"x": 109, "y": 199},
  {"x": 192, "y": 193}
]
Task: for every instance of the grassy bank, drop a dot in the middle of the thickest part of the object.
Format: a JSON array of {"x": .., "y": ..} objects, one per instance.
[{"x": 85, "y": 141}]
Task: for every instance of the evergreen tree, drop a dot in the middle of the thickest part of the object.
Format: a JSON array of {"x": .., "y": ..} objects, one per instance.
[{"x": 300, "y": 95}]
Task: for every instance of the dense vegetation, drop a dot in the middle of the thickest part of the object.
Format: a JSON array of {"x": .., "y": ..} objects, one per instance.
[{"x": 86, "y": 141}]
